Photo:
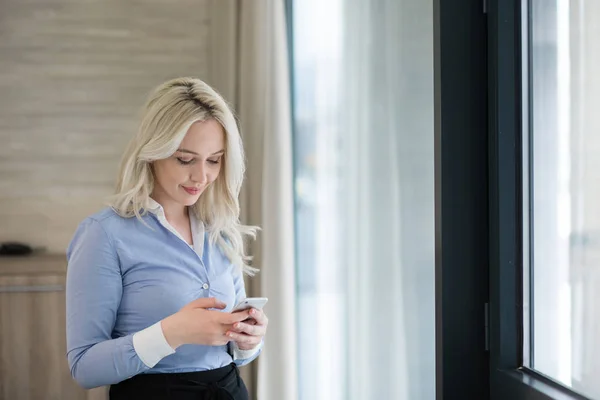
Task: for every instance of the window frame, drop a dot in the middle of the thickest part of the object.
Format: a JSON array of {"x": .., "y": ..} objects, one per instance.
[
  {"x": 461, "y": 199},
  {"x": 508, "y": 377}
]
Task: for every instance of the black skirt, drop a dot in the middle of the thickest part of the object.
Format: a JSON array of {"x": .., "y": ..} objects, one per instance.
[{"x": 217, "y": 384}]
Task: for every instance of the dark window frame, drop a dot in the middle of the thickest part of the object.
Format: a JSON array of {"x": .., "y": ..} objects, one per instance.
[{"x": 461, "y": 199}]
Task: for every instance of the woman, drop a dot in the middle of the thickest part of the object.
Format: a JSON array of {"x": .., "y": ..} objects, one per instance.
[{"x": 151, "y": 280}]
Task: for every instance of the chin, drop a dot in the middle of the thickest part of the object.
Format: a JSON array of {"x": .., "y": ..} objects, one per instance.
[{"x": 190, "y": 201}]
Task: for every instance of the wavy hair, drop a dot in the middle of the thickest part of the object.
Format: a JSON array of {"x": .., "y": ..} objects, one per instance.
[{"x": 168, "y": 114}]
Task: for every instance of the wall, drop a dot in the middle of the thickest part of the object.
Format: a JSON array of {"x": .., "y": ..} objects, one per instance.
[{"x": 73, "y": 77}]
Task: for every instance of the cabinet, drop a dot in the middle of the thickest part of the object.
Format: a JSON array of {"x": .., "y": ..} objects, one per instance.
[{"x": 33, "y": 362}]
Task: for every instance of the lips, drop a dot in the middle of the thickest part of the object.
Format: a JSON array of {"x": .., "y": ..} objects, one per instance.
[{"x": 191, "y": 190}]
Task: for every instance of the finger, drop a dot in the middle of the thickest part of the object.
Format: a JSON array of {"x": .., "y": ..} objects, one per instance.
[
  {"x": 253, "y": 330},
  {"x": 259, "y": 316},
  {"x": 207, "y": 302},
  {"x": 232, "y": 318},
  {"x": 242, "y": 338}
]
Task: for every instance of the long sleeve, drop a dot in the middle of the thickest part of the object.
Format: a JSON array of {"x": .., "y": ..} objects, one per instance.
[
  {"x": 242, "y": 357},
  {"x": 93, "y": 295}
]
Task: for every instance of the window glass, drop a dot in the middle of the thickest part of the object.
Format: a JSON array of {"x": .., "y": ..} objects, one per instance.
[{"x": 562, "y": 192}]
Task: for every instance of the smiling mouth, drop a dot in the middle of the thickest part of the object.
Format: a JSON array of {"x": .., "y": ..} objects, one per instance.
[{"x": 191, "y": 190}]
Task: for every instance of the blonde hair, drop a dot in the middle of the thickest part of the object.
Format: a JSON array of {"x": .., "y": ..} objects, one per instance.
[{"x": 168, "y": 114}]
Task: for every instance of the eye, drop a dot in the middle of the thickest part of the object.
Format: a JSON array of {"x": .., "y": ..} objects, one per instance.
[
  {"x": 216, "y": 161},
  {"x": 184, "y": 161}
]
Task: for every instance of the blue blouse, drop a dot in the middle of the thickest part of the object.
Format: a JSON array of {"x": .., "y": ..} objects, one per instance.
[{"x": 123, "y": 278}]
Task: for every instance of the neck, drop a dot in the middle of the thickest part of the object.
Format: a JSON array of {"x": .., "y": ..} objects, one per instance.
[{"x": 174, "y": 212}]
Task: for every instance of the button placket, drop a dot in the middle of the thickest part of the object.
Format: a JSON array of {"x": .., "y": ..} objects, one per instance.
[{"x": 198, "y": 237}]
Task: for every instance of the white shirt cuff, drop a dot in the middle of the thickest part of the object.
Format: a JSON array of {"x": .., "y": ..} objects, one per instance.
[
  {"x": 239, "y": 354},
  {"x": 151, "y": 346}
]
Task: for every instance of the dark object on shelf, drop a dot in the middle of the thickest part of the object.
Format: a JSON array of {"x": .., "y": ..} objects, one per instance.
[{"x": 15, "y": 249}]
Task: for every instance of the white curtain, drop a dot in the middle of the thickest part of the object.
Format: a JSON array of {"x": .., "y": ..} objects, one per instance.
[
  {"x": 251, "y": 69},
  {"x": 365, "y": 111},
  {"x": 387, "y": 116}
]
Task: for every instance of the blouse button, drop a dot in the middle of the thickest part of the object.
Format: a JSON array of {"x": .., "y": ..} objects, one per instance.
[{"x": 205, "y": 286}]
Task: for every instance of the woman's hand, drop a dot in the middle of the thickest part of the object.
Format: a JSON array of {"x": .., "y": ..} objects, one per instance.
[
  {"x": 248, "y": 334},
  {"x": 196, "y": 324}
]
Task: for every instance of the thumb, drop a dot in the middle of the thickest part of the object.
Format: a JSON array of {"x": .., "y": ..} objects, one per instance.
[{"x": 206, "y": 302}]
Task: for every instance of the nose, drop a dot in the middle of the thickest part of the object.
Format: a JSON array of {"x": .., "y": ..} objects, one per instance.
[{"x": 198, "y": 174}]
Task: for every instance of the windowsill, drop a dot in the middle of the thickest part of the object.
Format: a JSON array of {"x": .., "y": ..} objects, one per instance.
[{"x": 532, "y": 386}]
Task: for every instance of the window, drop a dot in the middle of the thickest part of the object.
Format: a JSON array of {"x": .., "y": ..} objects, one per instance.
[
  {"x": 562, "y": 193},
  {"x": 543, "y": 327},
  {"x": 364, "y": 192}
]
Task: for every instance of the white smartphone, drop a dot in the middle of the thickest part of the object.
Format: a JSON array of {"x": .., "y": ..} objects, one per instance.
[{"x": 250, "y": 302}]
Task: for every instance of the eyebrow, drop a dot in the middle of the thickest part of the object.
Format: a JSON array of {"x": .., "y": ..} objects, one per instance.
[{"x": 193, "y": 152}]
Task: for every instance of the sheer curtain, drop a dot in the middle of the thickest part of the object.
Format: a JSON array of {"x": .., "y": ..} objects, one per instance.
[{"x": 364, "y": 184}]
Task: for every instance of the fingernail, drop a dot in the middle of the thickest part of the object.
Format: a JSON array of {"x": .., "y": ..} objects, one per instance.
[
  {"x": 236, "y": 325},
  {"x": 253, "y": 312},
  {"x": 229, "y": 334}
]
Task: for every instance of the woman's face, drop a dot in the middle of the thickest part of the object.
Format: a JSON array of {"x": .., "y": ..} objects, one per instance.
[{"x": 181, "y": 178}]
